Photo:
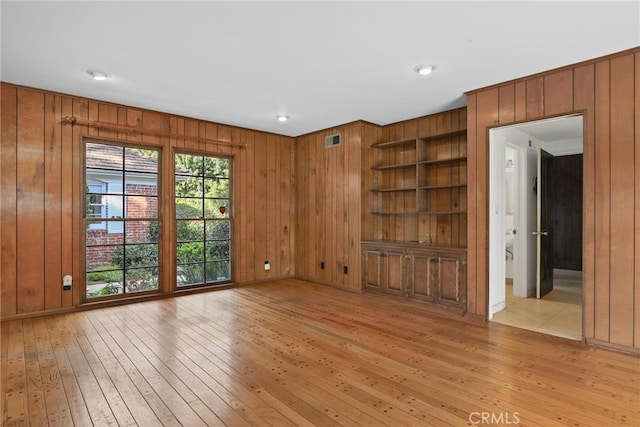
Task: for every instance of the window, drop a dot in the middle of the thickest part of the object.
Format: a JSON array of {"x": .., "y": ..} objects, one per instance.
[
  {"x": 121, "y": 216},
  {"x": 203, "y": 220}
]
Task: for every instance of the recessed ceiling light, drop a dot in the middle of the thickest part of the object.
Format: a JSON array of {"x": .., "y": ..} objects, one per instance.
[
  {"x": 282, "y": 118},
  {"x": 424, "y": 70},
  {"x": 98, "y": 75}
]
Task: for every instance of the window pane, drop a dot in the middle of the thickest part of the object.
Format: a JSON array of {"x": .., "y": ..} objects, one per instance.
[
  {"x": 141, "y": 207},
  {"x": 142, "y": 231},
  {"x": 113, "y": 206},
  {"x": 218, "y": 250},
  {"x": 216, "y": 187},
  {"x": 190, "y": 252},
  {"x": 96, "y": 225},
  {"x": 218, "y": 271},
  {"x": 141, "y": 184},
  {"x": 102, "y": 282},
  {"x": 190, "y": 274},
  {"x": 96, "y": 237},
  {"x": 188, "y": 208},
  {"x": 187, "y": 164},
  {"x": 189, "y": 231},
  {"x": 216, "y": 167},
  {"x": 216, "y": 208},
  {"x": 140, "y": 160},
  {"x": 141, "y": 279},
  {"x": 105, "y": 157},
  {"x": 101, "y": 257},
  {"x": 217, "y": 230},
  {"x": 189, "y": 186},
  {"x": 145, "y": 255}
]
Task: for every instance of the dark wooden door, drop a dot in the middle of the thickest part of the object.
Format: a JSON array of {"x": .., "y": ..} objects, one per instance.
[{"x": 545, "y": 225}]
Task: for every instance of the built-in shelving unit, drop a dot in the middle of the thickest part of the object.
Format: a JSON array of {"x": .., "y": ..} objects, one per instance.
[
  {"x": 415, "y": 231},
  {"x": 423, "y": 180}
]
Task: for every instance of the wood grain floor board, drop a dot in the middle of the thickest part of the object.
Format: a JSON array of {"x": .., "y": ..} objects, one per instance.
[
  {"x": 546, "y": 372},
  {"x": 291, "y": 353},
  {"x": 89, "y": 340},
  {"x": 370, "y": 365}
]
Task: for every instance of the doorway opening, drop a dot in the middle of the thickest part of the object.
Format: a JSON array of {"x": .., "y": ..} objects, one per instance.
[{"x": 535, "y": 226}]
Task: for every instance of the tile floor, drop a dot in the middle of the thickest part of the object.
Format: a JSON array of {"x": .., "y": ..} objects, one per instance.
[{"x": 559, "y": 313}]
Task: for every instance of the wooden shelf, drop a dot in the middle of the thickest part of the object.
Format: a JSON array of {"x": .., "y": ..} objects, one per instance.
[
  {"x": 436, "y": 161},
  {"x": 384, "y": 145},
  {"x": 443, "y": 213},
  {"x": 393, "y": 213},
  {"x": 437, "y": 187},
  {"x": 390, "y": 167},
  {"x": 416, "y": 187},
  {"x": 390, "y": 190}
]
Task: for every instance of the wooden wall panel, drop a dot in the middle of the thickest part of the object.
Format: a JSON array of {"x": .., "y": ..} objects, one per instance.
[
  {"x": 535, "y": 98},
  {"x": 66, "y": 199},
  {"x": 602, "y": 195},
  {"x": 605, "y": 91},
  {"x": 8, "y": 228},
  {"x": 329, "y": 205},
  {"x": 558, "y": 92},
  {"x": 249, "y": 206},
  {"x": 622, "y": 199},
  {"x": 473, "y": 255},
  {"x": 507, "y": 102},
  {"x": 486, "y": 116},
  {"x": 520, "y": 89},
  {"x": 42, "y": 192},
  {"x": 80, "y": 110},
  {"x": 53, "y": 202},
  {"x": 636, "y": 306},
  {"x": 584, "y": 100},
  {"x": 30, "y": 201}
]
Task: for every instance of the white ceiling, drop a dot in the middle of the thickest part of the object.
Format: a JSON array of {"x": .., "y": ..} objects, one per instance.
[
  {"x": 322, "y": 63},
  {"x": 560, "y": 136}
]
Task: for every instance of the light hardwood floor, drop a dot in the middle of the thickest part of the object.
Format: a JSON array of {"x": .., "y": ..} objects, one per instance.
[{"x": 294, "y": 353}]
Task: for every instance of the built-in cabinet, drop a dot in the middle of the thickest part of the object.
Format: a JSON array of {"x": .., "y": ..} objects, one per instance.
[
  {"x": 435, "y": 275},
  {"x": 416, "y": 195}
]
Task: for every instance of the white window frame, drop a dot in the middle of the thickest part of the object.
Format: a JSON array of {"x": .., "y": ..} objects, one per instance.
[{"x": 95, "y": 186}]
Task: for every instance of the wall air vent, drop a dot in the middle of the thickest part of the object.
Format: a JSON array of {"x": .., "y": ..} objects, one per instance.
[{"x": 332, "y": 140}]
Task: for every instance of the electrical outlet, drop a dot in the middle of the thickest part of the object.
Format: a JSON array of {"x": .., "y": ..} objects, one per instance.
[
  {"x": 267, "y": 266},
  {"x": 321, "y": 265},
  {"x": 66, "y": 282},
  {"x": 345, "y": 269}
]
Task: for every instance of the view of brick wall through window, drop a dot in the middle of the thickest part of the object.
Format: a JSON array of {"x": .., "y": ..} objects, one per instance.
[{"x": 136, "y": 207}]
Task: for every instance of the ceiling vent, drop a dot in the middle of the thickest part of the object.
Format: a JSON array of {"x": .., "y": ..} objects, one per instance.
[{"x": 332, "y": 140}]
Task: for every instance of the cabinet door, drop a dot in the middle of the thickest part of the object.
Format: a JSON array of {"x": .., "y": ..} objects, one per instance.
[
  {"x": 393, "y": 272},
  {"x": 451, "y": 289},
  {"x": 372, "y": 269},
  {"x": 423, "y": 276}
]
